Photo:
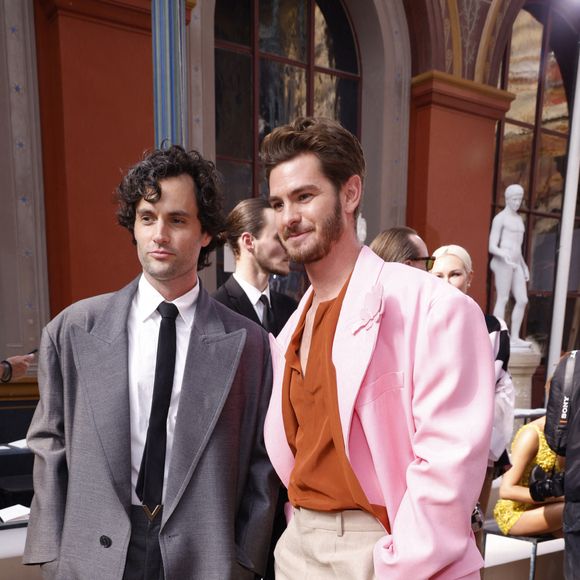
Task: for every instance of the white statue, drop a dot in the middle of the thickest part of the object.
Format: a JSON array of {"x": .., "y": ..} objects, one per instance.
[{"x": 510, "y": 271}]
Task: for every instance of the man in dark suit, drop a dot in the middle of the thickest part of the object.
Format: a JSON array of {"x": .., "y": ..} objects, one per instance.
[
  {"x": 252, "y": 235},
  {"x": 150, "y": 459}
]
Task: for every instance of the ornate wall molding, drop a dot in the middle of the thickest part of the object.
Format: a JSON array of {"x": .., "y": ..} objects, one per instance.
[
  {"x": 452, "y": 20},
  {"x": 430, "y": 35},
  {"x": 23, "y": 283},
  {"x": 496, "y": 30},
  {"x": 472, "y": 20},
  {"x": 438, "y": 88},
  {"x": 134, "y": 14}
]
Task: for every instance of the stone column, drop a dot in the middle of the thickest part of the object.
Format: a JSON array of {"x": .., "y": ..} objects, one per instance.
[
  {"x": 522, "y": 366},
  {"x": 451, "y": 178}
]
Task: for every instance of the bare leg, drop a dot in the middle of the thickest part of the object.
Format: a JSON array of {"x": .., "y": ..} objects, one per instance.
[
  {"x": 521, "y": 298},
  {"x": 503, "y": 274},
  {"x": 546, "y": 519}
]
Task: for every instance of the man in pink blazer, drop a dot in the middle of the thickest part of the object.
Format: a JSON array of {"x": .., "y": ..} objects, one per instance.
[{"x": 381, "y": 430}]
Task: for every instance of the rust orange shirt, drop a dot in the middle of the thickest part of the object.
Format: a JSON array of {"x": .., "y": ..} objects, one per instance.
[{"x": 322, "y": 478}]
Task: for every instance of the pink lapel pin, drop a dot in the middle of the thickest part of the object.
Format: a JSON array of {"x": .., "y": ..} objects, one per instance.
[{"x": 372, "y": 308}]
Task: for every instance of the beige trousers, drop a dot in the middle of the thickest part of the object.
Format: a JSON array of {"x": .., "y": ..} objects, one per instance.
[{"x": 328, "y": 545}]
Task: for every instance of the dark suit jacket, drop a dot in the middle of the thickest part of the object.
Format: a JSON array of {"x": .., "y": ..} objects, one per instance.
[
  {"x": 232, "y": 295},
  {"x": 220, "y": 489}
]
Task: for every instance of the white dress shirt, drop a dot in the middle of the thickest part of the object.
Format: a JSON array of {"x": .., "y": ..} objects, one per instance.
[
  {"x": 253, "y": 295},
  {"x": 143, "y": 330}
]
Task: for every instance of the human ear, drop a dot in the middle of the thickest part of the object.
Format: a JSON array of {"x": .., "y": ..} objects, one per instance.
[
  {"x": 352, "y": 191},
  {"x": 247, "y": 241}
]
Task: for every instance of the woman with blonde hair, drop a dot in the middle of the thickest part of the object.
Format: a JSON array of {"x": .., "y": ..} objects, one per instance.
[{"x": 453, "y": 265}]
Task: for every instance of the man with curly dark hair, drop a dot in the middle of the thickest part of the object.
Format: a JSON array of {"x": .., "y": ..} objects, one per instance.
[{"x": 150, "y": 460}]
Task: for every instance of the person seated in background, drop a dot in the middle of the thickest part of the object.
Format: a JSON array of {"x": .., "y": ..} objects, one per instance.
[
  {"x": 518, "y": 512},
  {"x": 453, "y": 264},
  {"x": 402, "y": 244},
  {"x": 15, "y": 367}
]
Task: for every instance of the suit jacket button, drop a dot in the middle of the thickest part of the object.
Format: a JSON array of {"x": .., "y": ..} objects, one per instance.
[{"x": 105, "y": 541}]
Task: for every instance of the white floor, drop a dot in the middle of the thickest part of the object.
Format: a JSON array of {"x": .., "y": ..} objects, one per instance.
[
  {"x": 509, "y": 559},
  {"x": 501, "y": 549},
  {"x": 11, "y": 548},
  {"x": 505, "y": 558}
]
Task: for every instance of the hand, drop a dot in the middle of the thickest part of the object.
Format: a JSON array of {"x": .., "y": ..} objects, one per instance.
[
  {"x": 20, "y": 364},
  {"x": 526, "y": 272}
]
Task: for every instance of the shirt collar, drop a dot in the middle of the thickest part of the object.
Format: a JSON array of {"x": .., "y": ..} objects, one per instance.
[
  {"x": 251, "y": 291},
  {"x": 148, "y": 299}
]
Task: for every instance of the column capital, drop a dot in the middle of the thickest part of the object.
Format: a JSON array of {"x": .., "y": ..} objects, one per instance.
[{"x": 438, "y": 88}]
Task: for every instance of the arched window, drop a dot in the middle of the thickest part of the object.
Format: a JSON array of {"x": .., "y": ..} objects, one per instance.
[
  {"x": 540, "y": 69},
  {"x": 276, "y": 60}
]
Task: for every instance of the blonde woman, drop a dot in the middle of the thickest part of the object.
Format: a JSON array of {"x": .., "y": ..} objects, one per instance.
[{"x": 453, "y": 265}]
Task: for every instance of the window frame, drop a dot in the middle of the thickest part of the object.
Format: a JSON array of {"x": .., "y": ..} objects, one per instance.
[
  {"x": 528, "y": 213},
  {"x": 309, "y": 66}
]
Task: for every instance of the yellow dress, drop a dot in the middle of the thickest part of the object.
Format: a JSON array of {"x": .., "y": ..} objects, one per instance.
[{"x": 506, "y": 511}]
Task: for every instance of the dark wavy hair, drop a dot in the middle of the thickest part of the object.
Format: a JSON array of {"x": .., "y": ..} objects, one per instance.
[{"x": 142, "y": 182}]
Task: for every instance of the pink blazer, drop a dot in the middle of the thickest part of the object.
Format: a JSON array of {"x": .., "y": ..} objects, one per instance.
[{"x": 415, "y": 383}]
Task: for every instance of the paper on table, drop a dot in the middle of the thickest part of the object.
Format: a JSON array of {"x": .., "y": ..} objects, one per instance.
[{"x": 15, "y": 513}]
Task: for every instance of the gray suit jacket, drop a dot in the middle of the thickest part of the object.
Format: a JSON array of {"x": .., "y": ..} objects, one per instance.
[{"x": 219, "y": 500}]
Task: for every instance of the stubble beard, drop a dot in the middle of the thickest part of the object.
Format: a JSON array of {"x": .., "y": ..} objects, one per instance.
[
  {"x": 164, "y": 271},
  {"x": 270, "y": 267},
  {"x": 330, "y": 231}
]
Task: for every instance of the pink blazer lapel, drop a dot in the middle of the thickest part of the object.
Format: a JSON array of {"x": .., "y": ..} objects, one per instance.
[
  {"x": 356, "y": 333},
  {"x": 354, "y": 343}
]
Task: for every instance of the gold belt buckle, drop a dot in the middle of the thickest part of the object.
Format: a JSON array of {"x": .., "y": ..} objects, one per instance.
[{"x": 151, "y": 514}]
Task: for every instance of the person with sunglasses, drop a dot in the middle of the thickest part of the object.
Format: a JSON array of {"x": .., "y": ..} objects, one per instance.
[
  {"x": 403, "y": 244},
  {"x": 453, "y": 265}
]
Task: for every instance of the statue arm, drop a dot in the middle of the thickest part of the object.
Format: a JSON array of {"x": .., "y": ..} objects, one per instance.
[{"x": 495, "y": 238}]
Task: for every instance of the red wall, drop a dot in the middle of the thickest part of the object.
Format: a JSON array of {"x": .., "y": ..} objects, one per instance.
[
  {"x": 96, "y": 106},
  {"x": 451, "y": 165}
]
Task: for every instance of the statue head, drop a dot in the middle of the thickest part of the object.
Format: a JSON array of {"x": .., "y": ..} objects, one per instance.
[{"x": 514, "y": 194}]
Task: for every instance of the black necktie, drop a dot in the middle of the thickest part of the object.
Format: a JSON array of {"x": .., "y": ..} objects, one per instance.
[
  {"x": 149, "y": 487},
  {"x": 268, "y": 316}
]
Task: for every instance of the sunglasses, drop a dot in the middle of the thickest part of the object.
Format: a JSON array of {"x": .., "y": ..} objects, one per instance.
[{"x": 429, "y": 261}]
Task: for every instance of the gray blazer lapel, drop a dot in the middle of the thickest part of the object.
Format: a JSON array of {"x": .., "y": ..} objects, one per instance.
[
  {"x": 212, "y": 362},
  {"x": 101, "y": 355}
]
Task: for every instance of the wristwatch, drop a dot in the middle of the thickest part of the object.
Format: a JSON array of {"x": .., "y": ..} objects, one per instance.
[{"x": 6, "y": 372}]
